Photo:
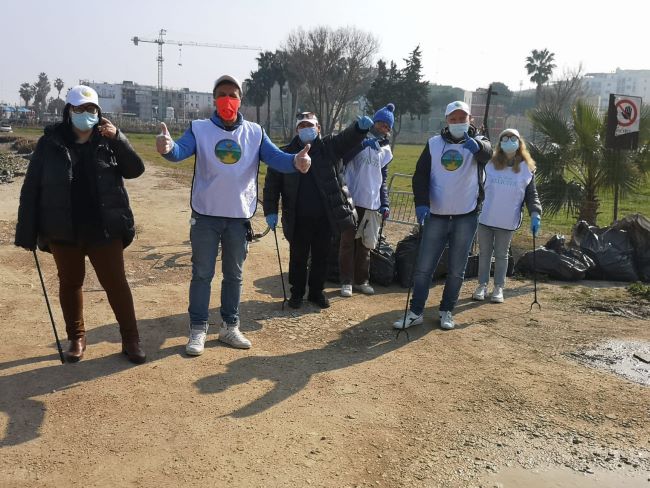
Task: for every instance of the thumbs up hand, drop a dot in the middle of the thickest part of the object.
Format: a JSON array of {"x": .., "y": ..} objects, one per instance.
[
  {"x": 470, "y": 144},
  {"x": 164, "y": 142},
  {"x": 302, "y": 161}
]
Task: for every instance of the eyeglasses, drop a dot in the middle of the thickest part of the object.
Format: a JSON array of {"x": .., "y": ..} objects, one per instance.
[
  {"x": 509, "y": 138},
  {"x": 91, "y": 109},
  {"x": 305, "y": 116}
]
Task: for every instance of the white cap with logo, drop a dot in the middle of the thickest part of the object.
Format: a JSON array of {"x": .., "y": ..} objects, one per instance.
[
  {"x": 457, "y": 105},
  {"x": 309, "y": 117},
  {"x": 80, "y": 95}
]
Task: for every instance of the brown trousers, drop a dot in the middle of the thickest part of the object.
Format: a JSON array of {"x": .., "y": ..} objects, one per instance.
[
  {"x": 354, "y": 257},
  {"x": 108, "y": 262}
]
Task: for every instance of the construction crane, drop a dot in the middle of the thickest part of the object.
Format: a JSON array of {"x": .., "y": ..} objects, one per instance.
[{"x": 161, "y": 40}]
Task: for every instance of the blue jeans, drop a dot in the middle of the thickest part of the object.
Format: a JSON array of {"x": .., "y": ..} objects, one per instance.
[
  {"x": 458, "y": 232},
  {"x": 497, "y": 241},
  {"x": 205, "y": 234}
]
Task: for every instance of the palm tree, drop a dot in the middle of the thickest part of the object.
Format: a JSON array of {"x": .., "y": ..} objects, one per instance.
[
  {"x": 540, "y": 65},
  {"x": 27, "y": 92},
  {"x": 279, "y": 73},
  {"x": 255, "y": 94},
  {"x": 58, "y": 84},
  {"x": 575, "y": 167}
]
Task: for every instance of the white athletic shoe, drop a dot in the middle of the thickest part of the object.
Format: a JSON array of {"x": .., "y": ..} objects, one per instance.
[
  {"x": 230, "y": 334},
  {"x": 411, "y": 320},
  {"x": 365, "y": 288},
  {"x": 480, "y": 292},
  {"x": 196, "y": 343},
  {"x": 346, "y": 291},
  {"x": 497, "y": 294},
  {"x": 446, "y": 320}
]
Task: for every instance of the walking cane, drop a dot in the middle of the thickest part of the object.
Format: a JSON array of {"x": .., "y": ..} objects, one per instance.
[
  {"x": 408, "y": 294},
  {"x": 277, "y": 248},
  {"x": 49, "y": 309},
  {"x": 534, "y": 278}
]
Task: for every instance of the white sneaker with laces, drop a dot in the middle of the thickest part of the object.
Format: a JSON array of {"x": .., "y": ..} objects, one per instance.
[
  {"x": 446, "y": 320},
  {"x": 230, "y": 334},
  {"x": 497, "y": 294},
  {"x": 196, "y": 343},
  {"x": 480, "y": 292},
  {"x": 346, "y": 291},
  {"x": 411, "y": 320},
  {"x": 365, "y": 288}
]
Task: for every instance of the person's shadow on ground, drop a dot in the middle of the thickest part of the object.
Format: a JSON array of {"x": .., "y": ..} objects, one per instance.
[{"x": 290, "y": 373}]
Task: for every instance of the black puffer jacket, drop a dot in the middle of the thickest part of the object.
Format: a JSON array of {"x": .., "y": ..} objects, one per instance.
[
  {"x": 327, "y": 167},
  {"x": 45, "y": 211}
]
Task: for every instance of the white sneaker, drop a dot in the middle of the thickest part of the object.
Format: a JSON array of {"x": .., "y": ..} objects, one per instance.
[
  {"x": 446, "y": 320},
  {"x": 497, "y": 294},
  {"x": 365, "y": 288},
  {"x": 411, "y": 319},
  {"x": 196, "y": 342},
  {"x": 230, "y": 334},
  {"x": 480, "y": 292},
  {"x": 346, "y": 291}
]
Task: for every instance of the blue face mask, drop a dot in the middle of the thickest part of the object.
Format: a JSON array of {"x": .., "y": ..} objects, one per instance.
[
  {"x": 458, "y": 130},
  {"x": 84, "y": 121},
  {"x": 509, "y": 147},
  {"x": 307, "y": 134}
]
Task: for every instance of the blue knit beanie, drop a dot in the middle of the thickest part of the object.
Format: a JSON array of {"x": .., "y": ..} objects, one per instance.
[{"x": 385, "y": 114}]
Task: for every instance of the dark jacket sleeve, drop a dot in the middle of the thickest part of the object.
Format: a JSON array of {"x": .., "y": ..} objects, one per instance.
[
  {"x": 272, "y": 190},
  {"x": 28, "y": 208},
  {"x": 485, "y": 153},
  {"x": 531, "y": 198},
  {"x": 128, "y": 161},
  {"x": 421, "y": 177},
  {"x": 347, "y": 140},
  {"x": 383, "y": 189}
]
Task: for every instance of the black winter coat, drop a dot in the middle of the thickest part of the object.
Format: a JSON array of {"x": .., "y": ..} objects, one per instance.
[
  {"x": 327, "y": 167},
  {"x": 45, "y": 210}
]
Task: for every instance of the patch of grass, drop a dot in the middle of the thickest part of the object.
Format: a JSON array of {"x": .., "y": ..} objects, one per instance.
[{"x": 639, "y": 290}]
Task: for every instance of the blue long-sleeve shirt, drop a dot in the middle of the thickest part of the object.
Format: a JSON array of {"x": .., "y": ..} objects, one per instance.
[{"x": 270, "y": 154}]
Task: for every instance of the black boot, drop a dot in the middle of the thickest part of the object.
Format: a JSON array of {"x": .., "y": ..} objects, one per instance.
[
  {"x": 295, "y": 301},
  {"x": 319, "y": 299}
]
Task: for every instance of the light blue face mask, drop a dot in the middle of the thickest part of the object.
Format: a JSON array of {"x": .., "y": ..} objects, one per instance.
[
  {"x": 84, "y": 121},
  {"x": 458, "y": 130},
  {"x": 307, "y": 134},
  {"x": 510, "y": 147}
]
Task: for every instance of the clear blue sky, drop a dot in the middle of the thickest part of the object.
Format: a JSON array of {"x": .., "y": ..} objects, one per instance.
[{"x": 468, "y": 47}]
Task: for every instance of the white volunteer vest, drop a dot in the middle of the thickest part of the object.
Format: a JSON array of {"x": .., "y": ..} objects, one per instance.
[
  {"x": 363, "y": 176},
  {"x": 505, "y": 191},
  {"x": 453, "y": 182},
  {"x": 225, "y": 172}
]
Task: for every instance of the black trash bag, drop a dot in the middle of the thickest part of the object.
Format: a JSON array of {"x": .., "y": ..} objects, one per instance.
[
  {"x": 610, "y": 249},
  {"x": 382, "y": 263},
  {"x": 638, "y": 230},
  {"x": 405, "y": 256},
  {"x": 558, "y": 266}
]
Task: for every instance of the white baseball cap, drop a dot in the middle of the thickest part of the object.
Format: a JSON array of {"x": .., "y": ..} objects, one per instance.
[
  {"x": 514, "y": 132},
  {"x": 227, "y": 79},
  {"x": 306, "y": 117},
  {"x": 457, "y": 105},
  {"x": 80, "y": 95}
]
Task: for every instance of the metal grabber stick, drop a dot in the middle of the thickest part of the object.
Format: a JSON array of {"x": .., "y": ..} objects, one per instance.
[
  {"x": 408, "y": 294},
  {"x": 277, "y": 248},
  {"x": 535, "y": 302},
  {"x": 49, "y": 309}
]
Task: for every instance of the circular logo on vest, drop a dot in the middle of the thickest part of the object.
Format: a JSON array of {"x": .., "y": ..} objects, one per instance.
[
  {"x": 227, "y": 151},
  {"x": 451, "y": 160}
]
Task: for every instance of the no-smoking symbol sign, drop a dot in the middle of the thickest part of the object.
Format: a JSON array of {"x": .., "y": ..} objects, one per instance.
[{"x": 626, "y": 112}]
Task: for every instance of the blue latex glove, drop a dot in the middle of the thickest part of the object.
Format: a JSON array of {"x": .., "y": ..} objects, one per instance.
[
  {"x": 272, "y": 220},
  {"x": 384, "y": 211},
  {"x": 371, "y": 142},
  {"x": 421, "y": 213},
  {"x": 471, "y": 145},
  {"x": 365, "y": 123},
  {"x": 535, "y": 223}
]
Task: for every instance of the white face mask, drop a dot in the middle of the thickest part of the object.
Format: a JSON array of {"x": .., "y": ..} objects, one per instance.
[{"x": 458, "y": 130}]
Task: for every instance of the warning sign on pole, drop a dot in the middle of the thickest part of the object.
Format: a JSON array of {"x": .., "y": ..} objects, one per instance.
[{"x": 623, "y": 121}]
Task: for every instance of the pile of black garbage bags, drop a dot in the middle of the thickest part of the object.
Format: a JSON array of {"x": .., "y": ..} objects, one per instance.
[{"x": 620, "y": 252}]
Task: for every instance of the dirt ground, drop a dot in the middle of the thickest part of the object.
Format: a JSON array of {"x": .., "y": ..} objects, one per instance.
[{"x": 324, "y": 398}]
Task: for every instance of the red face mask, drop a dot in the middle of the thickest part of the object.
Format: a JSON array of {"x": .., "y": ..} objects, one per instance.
[{"x": 227, "y": 107}]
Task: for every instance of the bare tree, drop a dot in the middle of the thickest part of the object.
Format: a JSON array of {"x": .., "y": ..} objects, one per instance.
[
  {"x": 337, "y": 67},
  {"x": 561, "y": 95}
]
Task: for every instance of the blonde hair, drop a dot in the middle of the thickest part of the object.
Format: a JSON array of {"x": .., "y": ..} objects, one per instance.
[{"x": 500, "y": 159}]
